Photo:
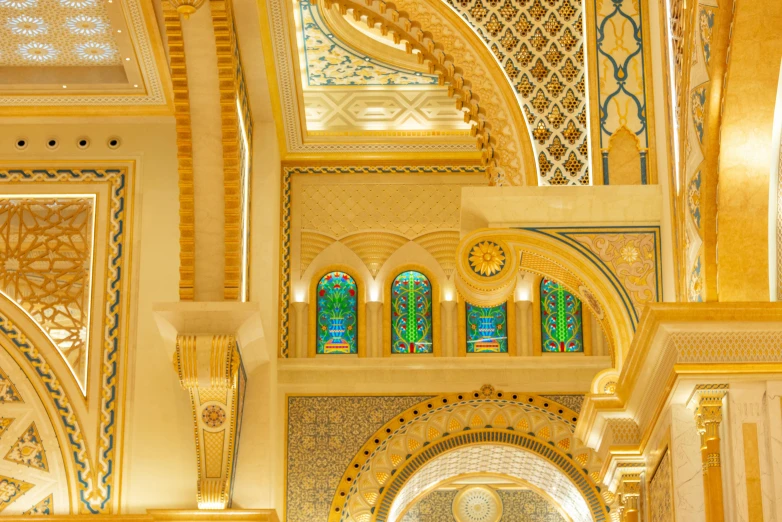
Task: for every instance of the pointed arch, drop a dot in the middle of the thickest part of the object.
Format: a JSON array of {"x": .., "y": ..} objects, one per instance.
[
  {"x": 545, "y": 254},
  {"x": 530, "y": 426}
]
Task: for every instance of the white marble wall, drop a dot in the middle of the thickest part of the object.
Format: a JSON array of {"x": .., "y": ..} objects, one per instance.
[
  {"x": 687, "y": 468},
  {"x": 749, "y": 403}
]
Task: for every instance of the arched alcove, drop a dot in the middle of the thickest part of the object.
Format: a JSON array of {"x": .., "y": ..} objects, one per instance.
[{"x": 525, "y": 436}]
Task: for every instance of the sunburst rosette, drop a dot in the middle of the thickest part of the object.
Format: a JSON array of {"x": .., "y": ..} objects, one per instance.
[{"x": 486, "y": 270}]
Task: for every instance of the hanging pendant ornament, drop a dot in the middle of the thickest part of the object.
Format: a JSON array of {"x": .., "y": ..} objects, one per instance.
[{"x": 186, "y": 7}]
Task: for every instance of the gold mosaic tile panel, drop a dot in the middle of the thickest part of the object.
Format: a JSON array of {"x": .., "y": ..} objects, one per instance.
[
  {"x": 661, "y": 501},
  {"x": 324, "y": 434},
  {"x": 56, "y": 33}
]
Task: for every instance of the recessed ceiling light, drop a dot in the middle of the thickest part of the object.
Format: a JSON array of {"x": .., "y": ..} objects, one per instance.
[
  {"x": 119, "y": 30},
  {"x": 127, "y": 59},
  {"x": 135, "y": 85},
  {"x": 64, "y": 86}
]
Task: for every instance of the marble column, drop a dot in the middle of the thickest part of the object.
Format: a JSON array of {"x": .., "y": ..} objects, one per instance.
[
  {"x": 751, "y": 480},
  {"x": 686, "y": 466},
  {"x": 708, "y": 419}
]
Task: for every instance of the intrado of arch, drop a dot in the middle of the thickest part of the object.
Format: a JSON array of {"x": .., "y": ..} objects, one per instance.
[{"x": 417, "y": 436}]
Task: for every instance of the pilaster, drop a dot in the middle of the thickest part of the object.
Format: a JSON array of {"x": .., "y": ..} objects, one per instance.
[{"x": 708, "y": 416}]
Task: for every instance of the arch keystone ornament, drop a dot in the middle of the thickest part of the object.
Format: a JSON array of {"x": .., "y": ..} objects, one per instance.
[{"x": 525, "y": 436}]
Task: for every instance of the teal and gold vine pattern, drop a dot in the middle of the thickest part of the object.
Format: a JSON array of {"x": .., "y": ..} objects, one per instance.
[
  {"x": 411, "y": 313},
  {"x": 94, "y": 479},
  {"x": 621, "y": 83},
  {"x": 487, "y": 328},
  {"x": 337, "y": 303},
  {"x": 561, "y": 320}
]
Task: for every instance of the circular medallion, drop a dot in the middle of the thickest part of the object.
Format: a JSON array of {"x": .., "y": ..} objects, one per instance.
[
  {"x": 213, "y": 416},
  {"x": 487, "y": 258},
  {"x": 477, "y": 504}
]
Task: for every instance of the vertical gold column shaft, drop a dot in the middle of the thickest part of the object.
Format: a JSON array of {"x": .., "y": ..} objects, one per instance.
[{"x": 708, "y": 416}]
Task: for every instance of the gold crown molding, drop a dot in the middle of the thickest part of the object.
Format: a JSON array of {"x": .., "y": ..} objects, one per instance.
[
  {"x": 225, "y": 42},
  {"x": 184, "y": 142},
  {"x": 216, "y": 394},
  {"x": 666, "y": 348}
]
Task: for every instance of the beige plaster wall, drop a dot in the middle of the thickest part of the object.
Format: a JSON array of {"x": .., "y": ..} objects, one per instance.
[{"x": 158, "y": 445}]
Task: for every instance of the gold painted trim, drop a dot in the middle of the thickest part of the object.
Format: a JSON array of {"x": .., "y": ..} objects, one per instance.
[
  {"x": 593, "y": 100},
  {"x": 651, "y": 144},
  {"x": 361, "y": 287},
  {"x": 537, "y": 321},
  {"x": 184, "y": 141},
  {"x": 225, "y": 43},
  {"x": 436, "y": 334},
  {"x": 676, "y": 210},
  {"x": 648, "y": 328},
  {"x": 272, "y": 81},
  {"x": 749, "y": 432}
]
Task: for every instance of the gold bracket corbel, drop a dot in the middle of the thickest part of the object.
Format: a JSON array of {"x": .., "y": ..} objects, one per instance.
[{"x": 209, "y": 367}]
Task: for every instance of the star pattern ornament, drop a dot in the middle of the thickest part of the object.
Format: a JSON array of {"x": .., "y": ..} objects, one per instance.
[
  {"x": 86, "y": 25},
  {"x": 63, "y": 33},
  {"x": 77, "y": 4},
  {"x": 27, "y": 25},
  {"x": 38, "y": 52},
  {"x": 94, "y": 52},
  {"x": 18, "y": 4},
  {"x": 487, "y": 258}
]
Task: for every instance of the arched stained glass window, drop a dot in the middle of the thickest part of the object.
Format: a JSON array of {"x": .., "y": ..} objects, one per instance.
[
  {"x": 560, "y": 319},
  {"x": 337, "y": 308},
  {"x": 411, "y": 313},
  {"x": 487, "y": 329}
]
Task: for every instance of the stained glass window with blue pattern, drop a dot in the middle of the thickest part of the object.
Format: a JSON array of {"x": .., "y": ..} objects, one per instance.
[
  {"x": 411, "y": 313},
  {"x": 560, "y": 318},
  {"x": 337, "y": 314},
  {"x": 487, "y": 328}
]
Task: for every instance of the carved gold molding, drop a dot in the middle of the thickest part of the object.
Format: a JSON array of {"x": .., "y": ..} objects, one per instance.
[
  {"x": 184, "y": 141},
  {"x": 210, "y": 369},
  {"x": 433, "y": 54},
  {"x": 225, "y": 43}
]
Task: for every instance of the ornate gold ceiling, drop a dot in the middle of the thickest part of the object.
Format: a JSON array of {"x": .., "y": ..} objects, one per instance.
[
  {"x": 80, "y": 52},
  {"x": 345, "y": 86}
]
